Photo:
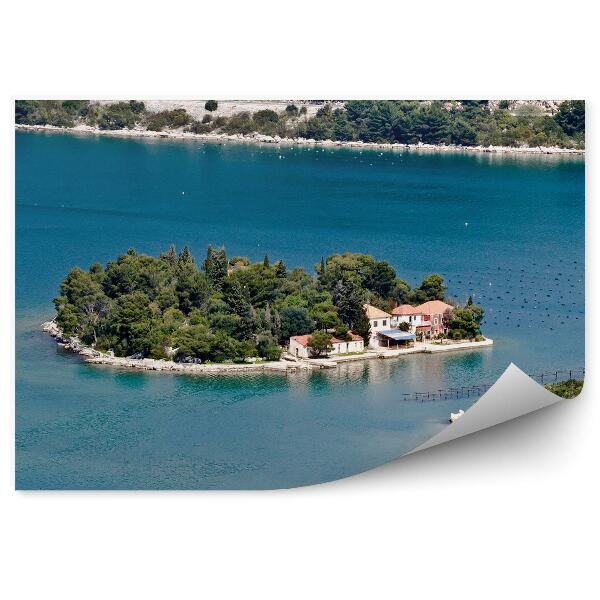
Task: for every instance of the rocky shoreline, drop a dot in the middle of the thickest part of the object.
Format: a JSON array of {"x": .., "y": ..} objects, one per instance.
[
  {"x": 92, "y": 356},
  {"x": 267, "y": 139}
]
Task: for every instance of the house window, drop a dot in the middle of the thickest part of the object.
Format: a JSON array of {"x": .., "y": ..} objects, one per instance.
[
  {"x": 384, "y": 322},
  {"x": 374, "y": 323}
]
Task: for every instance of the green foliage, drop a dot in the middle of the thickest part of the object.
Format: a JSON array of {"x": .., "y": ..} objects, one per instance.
[
  {"x": 168, "y": 119},
  {"x": 295, "y": 320},
  {"x": 320, "y": 343},
  {"x": 230, "y": 310},
  {"x": 325, "y": 315},
  {"x": 264, "y": 116},
  {"x": 120, "y": 115},
  {"x": 65, "y": 113},
  {"x": 433, "y": 287},
  {"x": 571, "y": 117},
  {"x": 348, "y": 298},
  {"x": 215, "y": 266},
  {"x": 566, "y": 389},
  {"x": 341, "y": 333},
  {"x": 465, "y": 322},
  {"x": 267, "y": 348},
  {"x": 465, "y": 122}
]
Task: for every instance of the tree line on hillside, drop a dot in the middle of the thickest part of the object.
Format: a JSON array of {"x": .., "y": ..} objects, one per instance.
[
  {"x": 231, "y": 309},
  {"x": 465, "y": 122}
]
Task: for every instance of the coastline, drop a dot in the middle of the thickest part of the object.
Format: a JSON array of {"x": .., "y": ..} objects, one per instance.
[
  {"x": 92, "y": 356},
  {"x": 266, "y": 139}
]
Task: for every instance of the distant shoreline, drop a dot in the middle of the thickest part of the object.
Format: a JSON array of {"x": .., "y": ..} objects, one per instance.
[{"x": 266, "y": 139}]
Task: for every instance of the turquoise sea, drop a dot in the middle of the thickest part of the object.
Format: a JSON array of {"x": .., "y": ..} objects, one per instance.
[{"x": 509, "y": 230}]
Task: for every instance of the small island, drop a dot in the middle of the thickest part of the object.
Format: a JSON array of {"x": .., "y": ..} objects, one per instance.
[{"x": 165, "y": 313}]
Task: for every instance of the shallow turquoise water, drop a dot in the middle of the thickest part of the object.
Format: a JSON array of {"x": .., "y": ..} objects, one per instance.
[{"x": 83, "y": 199}]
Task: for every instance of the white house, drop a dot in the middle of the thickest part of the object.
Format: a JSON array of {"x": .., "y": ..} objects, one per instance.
[
  {"x": 379, "y": 320},
  {"x": 299, "y": 345},
  {"x": 405, "y": 313}
]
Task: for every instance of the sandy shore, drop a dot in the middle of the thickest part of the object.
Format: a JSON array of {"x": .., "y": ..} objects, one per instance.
[
  {"x": 149, "y": 364},
  {"x": 267, "y": 139}
]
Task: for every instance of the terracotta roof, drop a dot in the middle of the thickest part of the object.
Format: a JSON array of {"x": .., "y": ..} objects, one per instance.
[
  {"x": 434, "y": 307},
  {"x": 373, "y": 312},
  {"x": 406, "y": 309},
  {"x": 303, "y": 339}
]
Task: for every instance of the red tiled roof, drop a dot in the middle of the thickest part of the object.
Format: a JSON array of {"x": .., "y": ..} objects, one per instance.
[
  {"x": 406, "y": 309},
  {"x": 301, "y": 339},
  {"x": 434, "y": 307}
]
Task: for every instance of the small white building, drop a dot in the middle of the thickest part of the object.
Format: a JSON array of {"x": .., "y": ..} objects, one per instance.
[
  {"x": 299, "y": 345},
  {"x": 379, "y": 320},
  {"x": 405, "y": 313}
]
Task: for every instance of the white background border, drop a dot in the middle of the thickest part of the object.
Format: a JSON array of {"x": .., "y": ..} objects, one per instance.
[{"x": 508, "y": 513}]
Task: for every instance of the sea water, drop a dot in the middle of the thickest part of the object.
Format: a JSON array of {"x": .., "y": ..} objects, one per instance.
[{"x": 508, "y": 230}]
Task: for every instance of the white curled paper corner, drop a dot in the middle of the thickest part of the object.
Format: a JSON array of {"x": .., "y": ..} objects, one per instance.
[{"x": 513, "y": 395}]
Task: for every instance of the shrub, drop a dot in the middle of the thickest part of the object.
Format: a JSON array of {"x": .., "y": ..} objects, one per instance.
[
  {"x": 207, "y": 118},
  {"x": 264, "y": 116},
  {"x": 117, "y": 116},
  {"x": 211, "y": 105},
  {"x": 137, "y": 107},
  {"x": 197, "y": 127},
  {"x": 341, "y": 333},
  {"x": 171, "y": 119}
]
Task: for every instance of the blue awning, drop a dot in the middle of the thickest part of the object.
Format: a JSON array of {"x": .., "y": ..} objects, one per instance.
[{"x": 399, "y": 336}]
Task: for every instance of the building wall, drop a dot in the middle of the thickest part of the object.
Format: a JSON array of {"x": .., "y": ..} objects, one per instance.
[
  {"x": 297, "y": 349},
  {"x": 345, "y": 347},
  {"x": 437, "y": 323},
  {"x": 412, "y": 320},
  {"x": 378, "y": 325}
]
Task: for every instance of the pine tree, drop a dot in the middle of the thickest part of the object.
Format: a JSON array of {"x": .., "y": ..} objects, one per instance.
[
  {"x": 348, "y": 299},
  {"x": 215, "y": 266},
  {"x": 266, "y": 261},
  {"x": 170, "y": 256},
  {"x": 238, "y": 298},
  {"x": 280, "y": 270}
]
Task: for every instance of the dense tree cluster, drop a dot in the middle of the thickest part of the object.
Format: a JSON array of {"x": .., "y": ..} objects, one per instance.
[
  {"x": 465, "y": 322},
  {"x": 226, "y": 309},
  {"x": 465, "y": 122},
  {"x": 566, "y": 389}
]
